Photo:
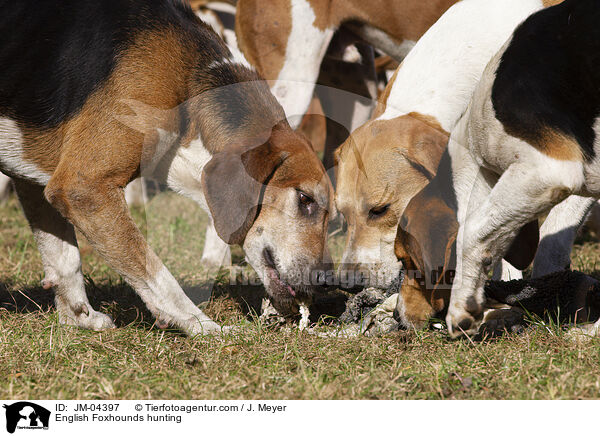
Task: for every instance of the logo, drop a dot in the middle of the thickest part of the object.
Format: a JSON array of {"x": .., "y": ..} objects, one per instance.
[{"x": 26, "y": 415}]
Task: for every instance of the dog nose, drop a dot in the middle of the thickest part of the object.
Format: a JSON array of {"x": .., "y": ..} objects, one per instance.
[{"x": 323, "y": 276}]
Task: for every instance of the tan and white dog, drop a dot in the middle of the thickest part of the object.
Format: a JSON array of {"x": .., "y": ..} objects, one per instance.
[
  {"x": 392, "y": 157},
  {"x": 529, "y": 139},
  {"x": 144, "y": 87}
]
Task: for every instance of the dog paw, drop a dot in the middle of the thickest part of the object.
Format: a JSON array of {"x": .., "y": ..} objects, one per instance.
[
  {"x": 460, "y": 322},
  {"x": 498, "y": 321},
  {"x": 195, "y": 327},
  {"x": 88, "y": 319}
]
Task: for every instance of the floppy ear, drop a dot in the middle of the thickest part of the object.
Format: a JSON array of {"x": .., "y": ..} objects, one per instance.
[
  {"x": 427, "y": 145},
  {"x": 233, "y": 183},
  {"x": 427, "y": 233},
  {"x": 523, "y": 248}
]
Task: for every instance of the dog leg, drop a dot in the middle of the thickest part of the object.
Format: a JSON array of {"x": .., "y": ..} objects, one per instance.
[
  {"x": 505, "y": 271},
  {"x": 558, "y": 233},
  {"x": 216, "y": 252},
  {"x": 135, "y": 193},
  {"x": 4, "y": 187},
  {"x": 98, "y": 209},
  {"x": 55, "y": 238},
  {"x": 521, "y": 194}
]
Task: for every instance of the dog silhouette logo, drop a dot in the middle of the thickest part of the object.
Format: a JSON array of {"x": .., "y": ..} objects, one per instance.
[{"x": 26, "y": 415}]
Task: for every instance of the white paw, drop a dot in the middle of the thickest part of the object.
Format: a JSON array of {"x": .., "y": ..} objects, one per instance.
[
  {"x": 460, "y": 322},
  {"x": 91, "y": 321},
  {"x": 195, "y": 327}
]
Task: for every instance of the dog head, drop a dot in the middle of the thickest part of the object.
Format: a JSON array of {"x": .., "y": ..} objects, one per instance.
[
  {"x": 426, "y": 245},
  {"x": 274, "y": 199},
  {"x": 379, "y": 169}
]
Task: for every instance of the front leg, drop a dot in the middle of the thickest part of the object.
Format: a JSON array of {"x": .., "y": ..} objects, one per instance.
[
  {"x": 522, "y": 193},
  {"x": 55, "y": 238},
  {"x": 97, "y": 207}
]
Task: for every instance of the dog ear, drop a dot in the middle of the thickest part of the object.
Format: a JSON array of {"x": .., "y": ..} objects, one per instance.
[
  {"x": 426, "y": 244},
  {"x": 233, "y": 183},
  {"x": 522, "y": 250},
  {"x": 426, "y": 236},
  {"x": 427, "y": 145}
]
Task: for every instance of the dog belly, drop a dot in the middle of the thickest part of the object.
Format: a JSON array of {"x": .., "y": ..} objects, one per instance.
[{"x": 12, "y": 160}]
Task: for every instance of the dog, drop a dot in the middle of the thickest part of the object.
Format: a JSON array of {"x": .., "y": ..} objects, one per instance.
[
  {"x": 528, "y": 140},
  {"x": 108, "y": 90},
  {"x": 391, "y": 158},
  {"x": 287, "y": 42},
  {"x": 425, "y": 245}
]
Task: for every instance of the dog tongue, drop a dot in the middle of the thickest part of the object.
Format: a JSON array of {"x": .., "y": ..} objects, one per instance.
[
  {"x": 275, "y": 277},
  {"x": 291, "y": 290}
]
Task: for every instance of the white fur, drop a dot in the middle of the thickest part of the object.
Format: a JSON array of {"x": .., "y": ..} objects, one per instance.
[
  {"x": 210, "y": 18},
  {"x": 184, "y": 177},
  {"x": 558, "y": 233},
  {"x": 216, "y": 252},
  {"x": 185, "y": 172},
  {"x": 168, "y": 303},
  {"x": 438, "y": 78},
  {"x": 11, "y": 154},
  {"x": 305, "y": 49},
  {"x": 237, "y": 57},
  {"x": 4, "y": 187},
  {"x": 439, "y": 75}
]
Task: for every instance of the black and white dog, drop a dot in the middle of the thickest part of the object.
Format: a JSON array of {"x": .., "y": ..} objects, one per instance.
[{"x": 530, "y": 139}]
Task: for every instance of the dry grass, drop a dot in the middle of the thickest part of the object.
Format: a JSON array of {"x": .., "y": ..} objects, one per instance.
[{"x": 41, "y": 359}]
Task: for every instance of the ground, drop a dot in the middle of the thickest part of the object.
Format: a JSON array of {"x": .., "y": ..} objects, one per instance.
[{"x": 40, "y": 359}]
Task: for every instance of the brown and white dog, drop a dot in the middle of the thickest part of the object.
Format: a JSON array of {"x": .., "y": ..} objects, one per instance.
[
  {"x": 287, "y": 40},
  {"x": 392, "y": 157},
  {"x": 111, "y": 89},
  {"x": 529, "y": 140}
]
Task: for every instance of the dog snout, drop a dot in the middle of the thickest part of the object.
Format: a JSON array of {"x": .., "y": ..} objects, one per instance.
[
  {"x": 353, "y": 277},
  {"x": 323, "y": 276}
]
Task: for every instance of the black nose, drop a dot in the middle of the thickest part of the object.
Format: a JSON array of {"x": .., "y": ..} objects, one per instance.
[
  {"x": 323, "y": 277},
  {"x": 352, "y": 277}
]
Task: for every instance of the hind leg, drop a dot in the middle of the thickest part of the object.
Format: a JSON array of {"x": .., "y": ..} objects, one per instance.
[
  {"x": 558, "y": 233},
  {"x": 55, "y": 238}
]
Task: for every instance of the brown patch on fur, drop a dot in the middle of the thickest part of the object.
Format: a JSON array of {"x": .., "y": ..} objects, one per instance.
[
  {"x": 400, "y": 19},
  {"x": 385, "y": 63},
  {"x": 425, "y": 243},
  {"x": 263, "y": 28},
  {"x": 552, "y": 143},
  {"x": 314, "y": 126},
  {"x": 558, "y": 146},
  {"x": 95, "y": 154},
  {"x": 548, "y": 3}
]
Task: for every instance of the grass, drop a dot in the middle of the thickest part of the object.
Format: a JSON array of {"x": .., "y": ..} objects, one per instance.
[{"x": 40, "y": 359}]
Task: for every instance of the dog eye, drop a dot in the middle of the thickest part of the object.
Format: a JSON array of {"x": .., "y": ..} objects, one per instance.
[
  {"x": 306, "y": 204},
  {"x": 305, "y": 200},
  {"x": 378, "y": 211}
]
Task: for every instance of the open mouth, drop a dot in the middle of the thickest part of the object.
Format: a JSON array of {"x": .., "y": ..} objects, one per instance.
[{"x": 276, "y": 282}]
